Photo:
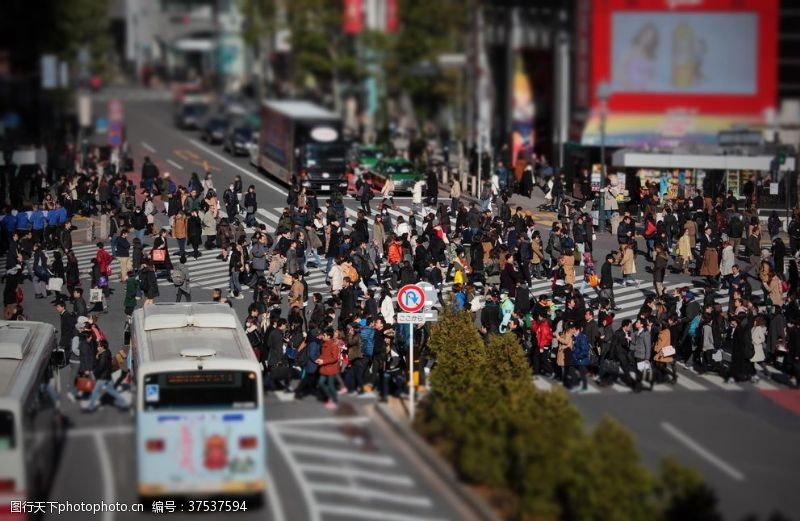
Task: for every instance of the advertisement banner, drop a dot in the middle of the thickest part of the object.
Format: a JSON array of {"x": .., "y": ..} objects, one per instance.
[
  {"x": 661, "y": 55},
  {"x": 392, "y": 17},
  {"x": 352, "y": 19},
  {"x": 523, "y": 112},
  {"x": 681, "y": 72}
]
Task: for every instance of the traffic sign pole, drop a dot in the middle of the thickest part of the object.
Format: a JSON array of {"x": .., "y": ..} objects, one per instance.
[{"x": 411, "y": 386}]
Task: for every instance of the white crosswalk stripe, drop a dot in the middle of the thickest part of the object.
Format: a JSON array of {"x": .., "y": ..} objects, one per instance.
[{"x": 688, "y": 381}]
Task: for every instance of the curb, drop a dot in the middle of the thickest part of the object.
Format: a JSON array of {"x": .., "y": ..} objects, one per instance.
[{"x": 438, "y": 465}]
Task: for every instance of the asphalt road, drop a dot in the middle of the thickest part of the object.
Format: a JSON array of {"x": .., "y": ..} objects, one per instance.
[
  {"x": 738, "y": 436},
  {"x": 322, "y": 465}
]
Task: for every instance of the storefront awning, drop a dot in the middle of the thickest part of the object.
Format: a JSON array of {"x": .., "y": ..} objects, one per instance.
[
  {"x": 641, "y": 159},
  {"x": 195, "y": 44},
  {"x": 663, "y": 130}
]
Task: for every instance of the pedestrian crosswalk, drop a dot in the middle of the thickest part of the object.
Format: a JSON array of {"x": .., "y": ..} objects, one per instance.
[
  {"x": 345, "y": 473},
  {"x": 687, "y": 381},
  {"x": 131, "y": 94},
  {"x": 209, "y": 271}
]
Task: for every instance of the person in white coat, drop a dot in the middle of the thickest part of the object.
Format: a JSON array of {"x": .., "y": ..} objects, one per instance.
[
  {"x": 726, "y": 263},
  {"x": 387, "y": 307},
  {"x": 416, "y": 196},
  {"x": 336, "y": 276},
  {"x": 758, "y": 334}
]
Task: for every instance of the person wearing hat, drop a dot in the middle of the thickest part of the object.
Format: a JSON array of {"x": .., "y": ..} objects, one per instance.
[{"x": 506, "y": 310}]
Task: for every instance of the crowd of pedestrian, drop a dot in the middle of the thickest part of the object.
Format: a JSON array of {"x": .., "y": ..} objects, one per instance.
[{"x": 479, "y": 256}]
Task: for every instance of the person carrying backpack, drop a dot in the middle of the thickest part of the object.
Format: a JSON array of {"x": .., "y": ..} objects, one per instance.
[{"x": 180, "y": 278}]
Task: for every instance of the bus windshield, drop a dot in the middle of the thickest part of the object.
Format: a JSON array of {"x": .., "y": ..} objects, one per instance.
[
  {"x": 200, "y": 389},
  {"x": 7, "y": 438},
  {"x": 316, "y": 154}
]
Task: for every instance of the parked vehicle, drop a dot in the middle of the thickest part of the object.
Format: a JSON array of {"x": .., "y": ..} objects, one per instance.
[
  {"x": 237, "y": 139},
  {"x": 31, "y": 423},
  {"x": 301, "y": 137},
  {"x": 402, "y": 171},
  {"x": 189, "y": 115},
  {"x": 214, "y": 130}
]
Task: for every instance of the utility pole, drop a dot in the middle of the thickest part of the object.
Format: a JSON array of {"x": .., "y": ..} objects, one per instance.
[{"x": 603, "y": 93}]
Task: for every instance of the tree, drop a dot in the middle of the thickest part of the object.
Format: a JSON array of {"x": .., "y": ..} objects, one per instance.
[
  {"x": 85, "y": 23},
  {"x": 458, "y": 349},
  {"x": 609, "y": 483},
  {"x": 682, "y": 494},
  {"x": 427, "y": 30}
]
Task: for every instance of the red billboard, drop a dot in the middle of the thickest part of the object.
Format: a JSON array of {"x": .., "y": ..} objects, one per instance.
[
  {"x": 352, "y": 17},
  {"x": 700, "y": 63}
]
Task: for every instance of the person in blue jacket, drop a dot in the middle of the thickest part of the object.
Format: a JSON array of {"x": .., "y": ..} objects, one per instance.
[
  {"x": 53, "y": 218},
  {"x": 580, "y": 355},
  {"x": 23, "y": 222},
  {"x": 38, "y": 223},
  {"x": 308, "y": 381}
]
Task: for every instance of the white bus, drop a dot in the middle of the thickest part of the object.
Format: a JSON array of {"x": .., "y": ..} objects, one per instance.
[
  {"x": 31, "y": 425},
  {"x": 199, "y": 404}
]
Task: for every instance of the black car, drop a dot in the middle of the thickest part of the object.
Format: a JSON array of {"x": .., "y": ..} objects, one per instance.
[
  {"x": 214, "y": 130},
  {"x": 189, "y": 115},
  {"x": 236, "y": 140}
]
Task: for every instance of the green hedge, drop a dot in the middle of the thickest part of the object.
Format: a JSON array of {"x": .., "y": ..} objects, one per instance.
[{"x": 530, "y": 448}]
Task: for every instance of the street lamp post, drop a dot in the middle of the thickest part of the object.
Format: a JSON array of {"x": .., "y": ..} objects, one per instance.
[{"x": 603, "y": 92}]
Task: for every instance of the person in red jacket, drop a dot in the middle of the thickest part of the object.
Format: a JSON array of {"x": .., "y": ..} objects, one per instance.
[
  {"x": 328, "y": 363},
  {"x": 543, "y": 333},
  {"x": 103, "y": 259}
]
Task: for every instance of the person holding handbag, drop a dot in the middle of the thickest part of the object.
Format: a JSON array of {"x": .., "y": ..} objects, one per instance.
[
  {"x": 102, "y": 369},
  {"x": 82, "y": 359}
]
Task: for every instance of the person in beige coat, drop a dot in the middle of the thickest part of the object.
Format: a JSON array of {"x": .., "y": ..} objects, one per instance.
[
  {"x": 628, "y": 263},
  {"x": 683, "y": 252},
  {"x": 665, "y": 363},
  {"x": 691, "y": 227},
  {"x": 568, "y": 264},
  {"x": 775, "y": 289}
]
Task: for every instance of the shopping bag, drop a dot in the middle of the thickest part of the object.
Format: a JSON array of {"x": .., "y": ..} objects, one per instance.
[
  {"x": 644, "y": 365},
  {"x": 158, "y": 255},
  {"x": 95, "y": 295},
  {"x": 55, "y": 284}
]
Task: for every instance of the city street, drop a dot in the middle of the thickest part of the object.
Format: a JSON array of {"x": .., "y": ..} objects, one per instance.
[
  {"x": 348, "y": 465},
  {"x": 389, "y": 260}
]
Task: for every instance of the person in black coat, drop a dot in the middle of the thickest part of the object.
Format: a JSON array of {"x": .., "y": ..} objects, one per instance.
[
  {"x": 277, "y": 371},
  {"x": 194, "y": 233},
  {"x": 510, "y": 277},
  {"x": 150, "y": 284},
  {"x": 607, "y": 280},
  {"x": 67, "y": 321},
  {"x": 432, "y": 184},
  {"x": 348, "y": 298},
  {"x": 741, "y": 350}
]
